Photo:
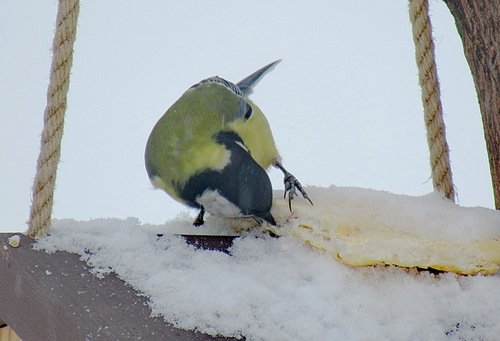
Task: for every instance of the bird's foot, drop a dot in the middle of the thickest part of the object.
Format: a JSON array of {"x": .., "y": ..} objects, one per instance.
[
  {"x": 199, "y": 218},
  {"x": 292, "y": 185}
]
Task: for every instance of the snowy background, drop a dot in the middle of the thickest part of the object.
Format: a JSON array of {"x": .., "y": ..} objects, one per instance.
[{"x": 344, "y": 104}]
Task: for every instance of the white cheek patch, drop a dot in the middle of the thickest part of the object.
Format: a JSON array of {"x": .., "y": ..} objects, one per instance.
[
  {"x": 224, "y": 162},
  {"x": 216, "y": 204}
]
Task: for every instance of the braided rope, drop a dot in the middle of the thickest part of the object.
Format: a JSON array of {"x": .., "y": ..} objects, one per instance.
[
  {"x": 433, "y": 113},
  {"x": 62, "y": 57}
]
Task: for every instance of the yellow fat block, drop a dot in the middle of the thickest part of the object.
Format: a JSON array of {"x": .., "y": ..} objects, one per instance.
[{"x": 362, "y": 232}]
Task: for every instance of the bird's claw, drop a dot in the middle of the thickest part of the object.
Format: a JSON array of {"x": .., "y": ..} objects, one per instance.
[
  {"x": 199, "y": 218},
  {"x": 291, "y": 187}
]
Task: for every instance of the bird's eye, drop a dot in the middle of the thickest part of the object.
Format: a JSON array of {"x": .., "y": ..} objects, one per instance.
[{"x": 248, "y": 112}]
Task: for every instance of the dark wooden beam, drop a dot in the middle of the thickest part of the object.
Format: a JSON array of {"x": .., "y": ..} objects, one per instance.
[
  {"x": 215, "y": 243},
  {"x": 55, "y": 297}
]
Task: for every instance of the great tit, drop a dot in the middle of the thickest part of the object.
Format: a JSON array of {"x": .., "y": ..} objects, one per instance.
[{"x": 211, "y": 150}]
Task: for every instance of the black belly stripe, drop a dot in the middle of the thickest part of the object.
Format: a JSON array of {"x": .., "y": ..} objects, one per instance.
[{"x": 242, "y": 182}]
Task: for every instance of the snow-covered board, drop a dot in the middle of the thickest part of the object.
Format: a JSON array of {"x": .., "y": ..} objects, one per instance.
[{"x": 363, "y": 227}]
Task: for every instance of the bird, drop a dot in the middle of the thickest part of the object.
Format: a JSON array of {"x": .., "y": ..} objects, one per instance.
[{"x": 212, "y": 147}]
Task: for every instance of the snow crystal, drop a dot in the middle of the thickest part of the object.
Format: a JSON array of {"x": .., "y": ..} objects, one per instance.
[{"x": 280, "y": 289}]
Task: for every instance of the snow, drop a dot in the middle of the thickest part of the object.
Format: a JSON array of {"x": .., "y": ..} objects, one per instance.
[
  {"x": 282, "y": 289},
  {"x": 431, "y": 214}
]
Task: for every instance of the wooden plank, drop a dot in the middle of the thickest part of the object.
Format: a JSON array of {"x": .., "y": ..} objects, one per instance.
[
  {"x": 54, "y": 297},
  {"x": 216, "y": 243}
]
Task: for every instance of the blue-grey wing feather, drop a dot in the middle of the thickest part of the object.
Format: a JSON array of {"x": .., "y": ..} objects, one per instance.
[{"x": 247, "y": 84}]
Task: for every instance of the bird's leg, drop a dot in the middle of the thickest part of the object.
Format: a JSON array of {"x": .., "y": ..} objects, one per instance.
[
  {"x": 291, "y": 185},
  {"x": 199, "y": 218}
]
